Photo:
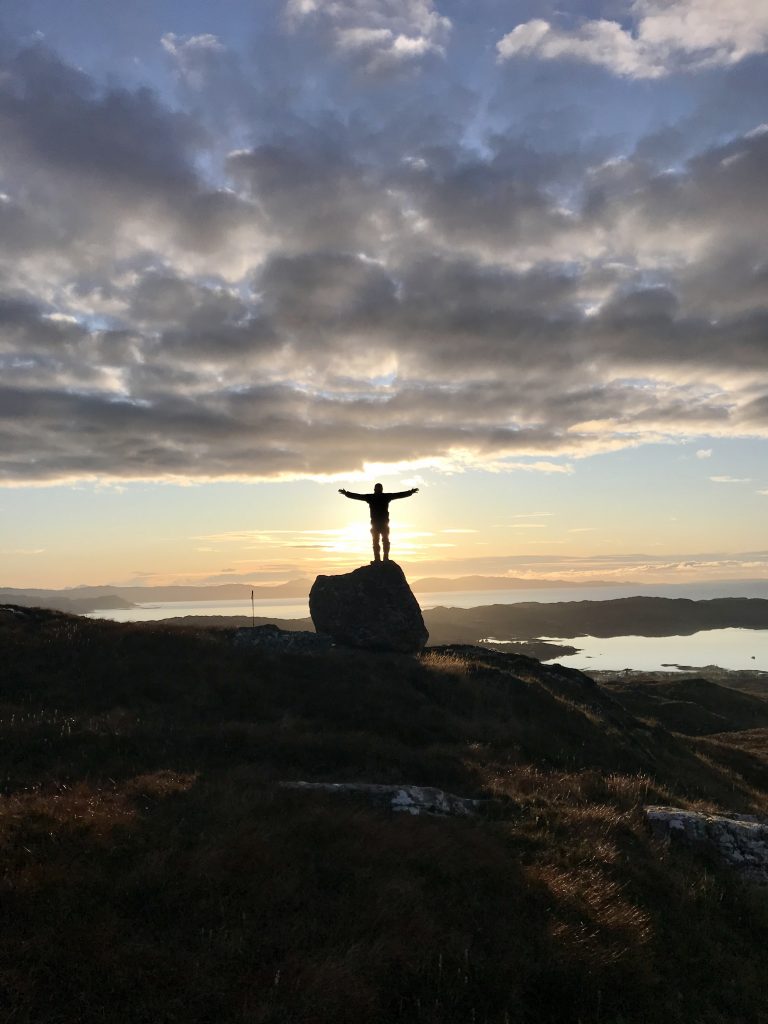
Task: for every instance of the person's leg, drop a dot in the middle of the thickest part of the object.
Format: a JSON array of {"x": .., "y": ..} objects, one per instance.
[
  {"x": 375, "y": 534},
  {"x": 385, "y": 541}
]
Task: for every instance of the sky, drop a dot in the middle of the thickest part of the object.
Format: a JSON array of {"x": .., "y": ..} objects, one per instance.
[{"x": 508, "y": 253}]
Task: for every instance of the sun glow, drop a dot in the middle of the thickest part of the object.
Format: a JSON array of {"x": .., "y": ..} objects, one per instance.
[{"x": 353, "y": 541}]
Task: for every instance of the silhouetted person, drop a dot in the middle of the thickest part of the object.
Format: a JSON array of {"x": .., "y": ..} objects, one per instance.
[{"x": 378, "y": 502}]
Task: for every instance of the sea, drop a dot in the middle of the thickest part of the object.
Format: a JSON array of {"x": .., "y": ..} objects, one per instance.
[
  {"x": 733, "y": 649},
  {"x": 744, "y": 650}
]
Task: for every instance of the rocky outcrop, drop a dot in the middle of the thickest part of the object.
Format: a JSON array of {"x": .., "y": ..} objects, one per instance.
[
  {"x": 539, "y": 649},
  {"x": 289, "y": 641},
  {"x": 739, "y": 840},
  {"x": 372, "y": 608},
  {"x": 408, "y": 799}
]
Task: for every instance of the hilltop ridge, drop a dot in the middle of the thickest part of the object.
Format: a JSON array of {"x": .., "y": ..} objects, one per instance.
[{"x": 145, "y": 834}]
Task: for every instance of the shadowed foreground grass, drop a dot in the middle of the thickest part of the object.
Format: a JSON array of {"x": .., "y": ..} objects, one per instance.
[{"x": 153, "y": 871}]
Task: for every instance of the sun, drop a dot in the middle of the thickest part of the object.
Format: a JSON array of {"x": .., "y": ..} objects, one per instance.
[
  {"x": 352, "y": 542},
  {"x": 349, "y": 539}
]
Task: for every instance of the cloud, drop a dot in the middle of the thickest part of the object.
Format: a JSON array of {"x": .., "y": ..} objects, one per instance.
[
  {"x": 679, "y": 35},
  {"x": 730, "y": 479},
  {"x": 103, "y": 173},
  {"x": 379, "y": 35},
  {"x": 597, "y": 42},
  {"x": 193, "y": 55},
  {"x": 362, "y": 282},
  {"x": 704, "y": 453},
  {"x": 538, "y": 467}
]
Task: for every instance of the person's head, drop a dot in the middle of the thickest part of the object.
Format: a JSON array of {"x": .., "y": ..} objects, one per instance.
[{"x": 378, "y": 488}]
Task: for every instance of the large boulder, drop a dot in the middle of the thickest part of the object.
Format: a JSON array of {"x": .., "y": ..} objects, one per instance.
[{"x": 372, "y": 607}]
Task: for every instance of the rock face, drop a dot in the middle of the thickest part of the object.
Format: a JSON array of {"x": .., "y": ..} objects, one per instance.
[
  {"x": 372, "y": 607},
  {"x": 408, "y": 799},
  {"x": 739, "y": 840}
]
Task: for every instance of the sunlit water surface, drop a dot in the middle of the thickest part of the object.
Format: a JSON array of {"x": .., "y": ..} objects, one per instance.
[
  {"x": 281, "y": 608},
  {"x": 298, "y": 607},
  {"x": 727, "y": 648}
]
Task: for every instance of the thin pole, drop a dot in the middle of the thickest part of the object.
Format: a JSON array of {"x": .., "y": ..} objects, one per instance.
[{"x": 253, "y": 613}]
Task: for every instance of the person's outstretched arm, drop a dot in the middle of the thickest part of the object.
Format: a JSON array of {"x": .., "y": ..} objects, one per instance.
[
  {"x": 351, "y": 494},
  {"x": 403, "y": 494}
]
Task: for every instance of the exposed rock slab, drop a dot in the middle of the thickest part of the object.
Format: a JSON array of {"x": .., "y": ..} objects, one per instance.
[
  {"x": 272, "y": 638},
  {"x": 407, "y": 799},
  {"x": 739, "y": 840},
  {"x": 539, "y": 649},
  {"x": 12, "y": 611},
  {"x": 372, "y": 608}
]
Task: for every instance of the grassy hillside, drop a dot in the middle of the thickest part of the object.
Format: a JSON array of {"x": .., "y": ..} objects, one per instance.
[
  {"x": 697, "y": 707},
  {"x": 153, "y": 871}
]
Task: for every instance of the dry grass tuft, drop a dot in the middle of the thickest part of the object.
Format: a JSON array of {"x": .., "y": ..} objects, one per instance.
[
  {"x": 79, "y": 807},
  {"x": 443, "y": 661},
  {"x": 594, "y": 921},
  {"x": 161, "y": 784}
]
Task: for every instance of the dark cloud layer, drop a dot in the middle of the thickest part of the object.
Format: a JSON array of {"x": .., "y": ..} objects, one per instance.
[{"x": 394, "y": 268}]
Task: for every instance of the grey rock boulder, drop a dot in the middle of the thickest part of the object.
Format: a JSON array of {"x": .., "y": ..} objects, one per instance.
[
  {"x": 738, "y": 840},
  {"x": 272, "y": 638},
  {"x": 406, "y": 799},
  {"x": 372, "y": 608}
]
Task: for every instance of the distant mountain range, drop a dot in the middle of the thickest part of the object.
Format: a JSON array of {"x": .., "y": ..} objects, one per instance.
[
  {"x": 438, "y": 585},
  {"x": 64, "y": 600},
  {"x": 646, "y": 615},
  {"x": 86, "y": 599},
  {"x": 150, "y": 595}
]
